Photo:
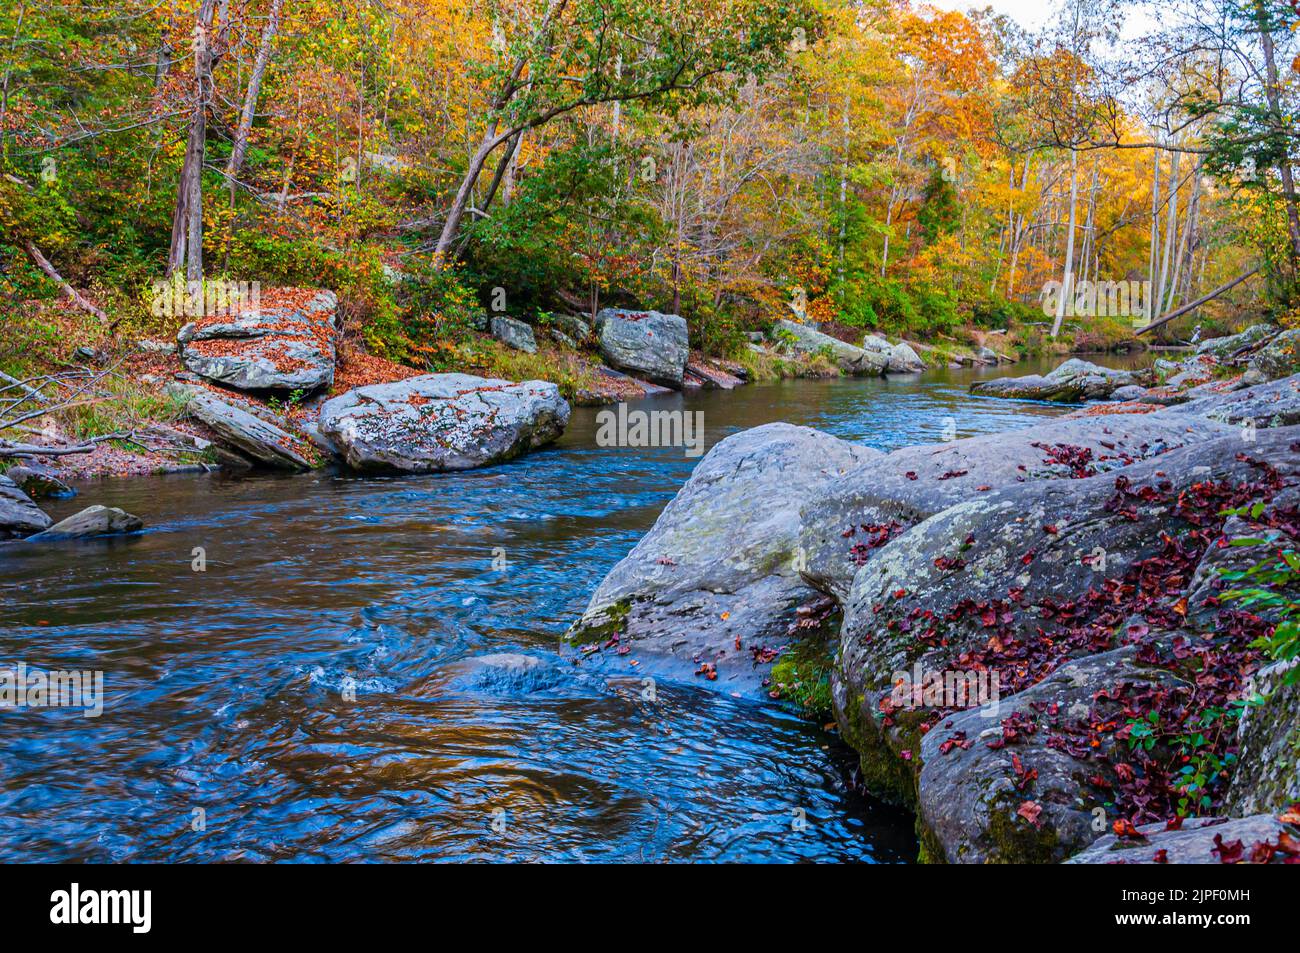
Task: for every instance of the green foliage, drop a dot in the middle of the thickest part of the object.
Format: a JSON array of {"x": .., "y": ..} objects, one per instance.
[{"x": 1271, "y": 586}]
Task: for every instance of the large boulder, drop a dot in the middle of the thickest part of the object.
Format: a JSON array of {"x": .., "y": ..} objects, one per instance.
[
  {"x": 846, "y": 522},
  {"x": 1258, "y": 839},
  {"x": 512, "y": 333},
  {"x": 717, "y": 581},
  {"x": 998, "y": 784},
  {"x": 1025, "y": 579},
  {"x": 252, "y": 432},
  {"x": 645, "y": 343},
  {"x": 19, "y": 516},
  {"x": 286, "y": 344},
  {"x": 442, "y": 422},
  {"x": 92, "y": 521},
  {"x": 904, "y": 360},
  {"x": 1225, "y": 347},
  {"x": 1280, "y": 357},
  {"x": 850, "y": 358}
]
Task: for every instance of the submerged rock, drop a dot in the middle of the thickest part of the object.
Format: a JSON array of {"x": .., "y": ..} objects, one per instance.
[
  {"x": 442, "y": 422},
  {"x": 286, "y": 345},
  {"x": 645, "y": 343},
  {"x": 717, "y": 581},
  {"x": 850, "y": 358},
  {"x": 19, "y": 516},
  {"x": 93, "y": 521}
]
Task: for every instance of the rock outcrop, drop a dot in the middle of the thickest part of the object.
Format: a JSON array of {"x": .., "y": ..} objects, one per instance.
[
  {"x": 442, "y": 422},
  {"x": 850, "y": 358},
  {"x": 1198, "y": 840},
  {"x": 1073, "y": 572},
  {"x": 1280, "y": 357},
  {"x": 284, "y": 345},
  {"x": 644, "y": 343}
]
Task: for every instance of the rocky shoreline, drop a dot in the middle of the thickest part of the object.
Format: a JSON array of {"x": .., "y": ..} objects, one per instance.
[{"x": 1077, "y": 564}]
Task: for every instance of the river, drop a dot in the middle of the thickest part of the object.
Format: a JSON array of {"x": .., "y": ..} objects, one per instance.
[{"x": 226, "y": 735}]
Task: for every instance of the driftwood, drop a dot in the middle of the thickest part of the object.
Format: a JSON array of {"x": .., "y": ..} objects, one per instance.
[
  {"x": 74, "y": 296},
  {"x": 1192, "y": 305}
]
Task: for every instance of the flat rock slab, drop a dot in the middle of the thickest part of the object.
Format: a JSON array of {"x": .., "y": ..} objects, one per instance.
[
  {"x": 903, "y": 488},
  {"x": 92, "y": 521},
  {"x": 712, "y": 377},
  {"x": 1201, "y": 840},
  {"x": 286, "y": 344},
  {"x": 645, "y": 343},
  {"x": 258, "y": 435},
  {"x": 442, "y": 422},
  {"x": 19, "y": 516}
]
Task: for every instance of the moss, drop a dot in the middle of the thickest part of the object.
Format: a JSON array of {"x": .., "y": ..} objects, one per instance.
[
  {"x": 613, "y": 621},
  {"x": 1016, "y": 841},
  {"x": 805, "y": 682},
  {"x": 884, "y": 774}
]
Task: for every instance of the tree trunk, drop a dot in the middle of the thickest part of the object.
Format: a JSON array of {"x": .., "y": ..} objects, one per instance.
[
  {"x": 187, "y": 220},
  {"x": 1067, "y": 289},
  {"x": 1273, "y": 97},
  {"x": 246, "y": 115}
]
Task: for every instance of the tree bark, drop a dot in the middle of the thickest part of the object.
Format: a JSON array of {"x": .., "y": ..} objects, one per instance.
[
  {"x": 240, "y": 145},
  {"x": 187, "y": 219},
  {"x": 1067, "y": 290}
]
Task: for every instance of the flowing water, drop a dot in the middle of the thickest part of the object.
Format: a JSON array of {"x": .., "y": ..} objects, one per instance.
[{"x": 226, "y": 733}]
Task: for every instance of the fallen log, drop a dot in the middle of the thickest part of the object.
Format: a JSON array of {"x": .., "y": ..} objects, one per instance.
[
  {"x": 1191, "y": 306},
  {"x": 73, "y": 295}
]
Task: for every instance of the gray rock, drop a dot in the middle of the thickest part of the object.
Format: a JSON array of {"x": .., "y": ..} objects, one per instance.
[
  {"x": 721, "y": 564},
  {"x": 573, "y": 325},
  {"x": 851, "y": 359},
  {"x": 1073, "y": 381},
  {"x": 261, "y": 437},
  {"x": 92, "y": 521},
  {"x": 874, "y": 342},
  {"x": 1275, "y": 404},
  {"x": 19, "y": 516},
  {"x": 986, "y": 355},
  {"x": 904, "y": 360},
  {"x": 274, "y": 348},
  {"x": 512, "y": 333},
  {"x": 1223, "y": 348},
  {"x": 1267, "y": 778},
  {"x": 1194, "y": 843},
  {"x": 442, "y": 422},
  {"x": 881, "y": 492},
  {"x": 39, "y": 481},
  {"x": 1128, "y": 392},
  {"x": 1016, "y": 552},
  {"x": 1280, "y": 357},
  {"x": 645, "y": 343},
  {"x": 970, "y": 798}
]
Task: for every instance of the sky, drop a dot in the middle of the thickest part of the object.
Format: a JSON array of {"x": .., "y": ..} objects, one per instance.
[{"x": 1033, "y": 14}]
